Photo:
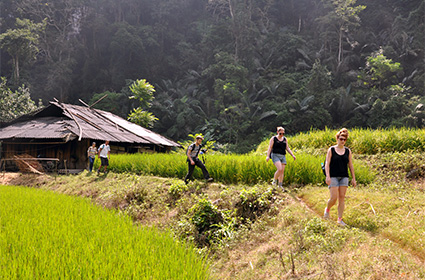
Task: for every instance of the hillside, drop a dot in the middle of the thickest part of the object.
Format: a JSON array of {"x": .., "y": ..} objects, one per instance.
[
  {"x": 276, "y": 235},
  {"x": 233, "y": 70}
]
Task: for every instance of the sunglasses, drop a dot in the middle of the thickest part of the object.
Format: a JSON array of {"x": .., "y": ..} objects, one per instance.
[
  {"x": 342, "y": 139},
  {"x": 281, "y": 133}
]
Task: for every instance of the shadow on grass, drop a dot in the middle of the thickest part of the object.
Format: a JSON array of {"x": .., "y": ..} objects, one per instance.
[{"x": 101, "y": 176}]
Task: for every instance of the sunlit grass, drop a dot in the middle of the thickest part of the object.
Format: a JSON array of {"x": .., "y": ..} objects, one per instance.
[
  {"x": 249, "y": 169},
  {"x": 398, "y": 215},
  {"x": 299, "y": 244},
  {"x": 310, "y": 149},
  {"x": 44, "y": 235},
  {"x": 361, "y": 141}
]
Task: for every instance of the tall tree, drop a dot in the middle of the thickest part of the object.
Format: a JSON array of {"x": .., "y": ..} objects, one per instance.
[
  {"x": 22, "y": 43},
  {"x": 342, "y": 16},
  {"x": 59, "y": 45}
]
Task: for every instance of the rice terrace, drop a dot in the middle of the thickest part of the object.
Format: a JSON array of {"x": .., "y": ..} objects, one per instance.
[
  {"x": 140, "y": 221},
  {"x": 212, "y": 139}
]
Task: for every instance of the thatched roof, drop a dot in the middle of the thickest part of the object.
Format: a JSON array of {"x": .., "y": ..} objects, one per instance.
[{"x": 66, "y": 122}]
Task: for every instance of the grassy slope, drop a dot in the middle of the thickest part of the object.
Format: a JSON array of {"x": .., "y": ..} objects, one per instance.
[{"x": 291, "y": 240}]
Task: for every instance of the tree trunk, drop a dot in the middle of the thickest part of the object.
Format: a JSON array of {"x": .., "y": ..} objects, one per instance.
[
  {"x": 16, "y": 74},
  {"x": 340, "y": 46}
]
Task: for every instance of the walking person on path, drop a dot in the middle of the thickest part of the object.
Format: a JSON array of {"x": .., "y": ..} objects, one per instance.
[
  {"x": 193, "y": 160},
  {"x": 91, "y": 153},
  {"x": 337, "y": 159},
  {"x": 278, "y": 146},
  {"x": 104, "y": 155}
]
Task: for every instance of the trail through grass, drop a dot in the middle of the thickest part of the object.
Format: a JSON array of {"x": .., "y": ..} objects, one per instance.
[{"x": 399, "y": 215}]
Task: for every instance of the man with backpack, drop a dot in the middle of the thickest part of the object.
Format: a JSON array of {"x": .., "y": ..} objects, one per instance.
[{"x": 193, "y": 160}]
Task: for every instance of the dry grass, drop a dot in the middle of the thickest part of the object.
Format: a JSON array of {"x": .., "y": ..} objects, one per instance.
[{"x": 283, "y": 250}]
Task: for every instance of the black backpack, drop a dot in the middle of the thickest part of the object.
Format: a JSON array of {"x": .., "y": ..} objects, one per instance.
[{"x": 193, "y": 145}]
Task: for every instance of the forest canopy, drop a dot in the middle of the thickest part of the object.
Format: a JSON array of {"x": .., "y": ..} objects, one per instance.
[{"x": 233, "y": 70}]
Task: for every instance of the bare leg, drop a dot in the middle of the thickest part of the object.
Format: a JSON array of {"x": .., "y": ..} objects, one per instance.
[
  {"x": 278, "y": 175},
  {"x": 282, "y": 173},
  {"x": 333, "y": 197},
  {"x": 341, "y": 200}
]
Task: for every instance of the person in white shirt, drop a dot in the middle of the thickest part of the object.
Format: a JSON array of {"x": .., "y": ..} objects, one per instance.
[{"x": 104, "y": 155}]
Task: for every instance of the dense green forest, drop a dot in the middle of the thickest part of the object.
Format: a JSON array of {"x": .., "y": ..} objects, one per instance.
[{"x": 231, "y": 69}]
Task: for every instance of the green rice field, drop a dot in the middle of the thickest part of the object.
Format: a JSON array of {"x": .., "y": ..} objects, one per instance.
[
  {"x": 245, "y": 169},
  {"x": 45, "y": 235},
  {"x": 309, "y": 148},
  {"x": 361, "y": 141}
]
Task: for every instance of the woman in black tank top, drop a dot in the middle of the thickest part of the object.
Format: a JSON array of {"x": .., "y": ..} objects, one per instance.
[
  {"x": 278, "y": 146},
  {"x": 337, "y": 160}
]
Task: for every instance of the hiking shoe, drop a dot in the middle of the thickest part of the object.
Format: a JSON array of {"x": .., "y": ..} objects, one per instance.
[
  {"x": 210, "y": 179},
  {"x": 326, "y": 215},
  {"x": 341, "y": 223},
  {"x": 274, "y": 182}
]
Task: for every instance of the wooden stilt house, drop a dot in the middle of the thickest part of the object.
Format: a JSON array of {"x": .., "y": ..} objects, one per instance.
[{"x": 64, "y": 132}]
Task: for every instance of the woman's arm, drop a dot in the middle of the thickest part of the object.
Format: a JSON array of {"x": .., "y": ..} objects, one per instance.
[
  {"x": 327, "y": 168},
  {"x": 351, "y": 166},
  {"x": 269, "y": 150},
  {"x": 289, "y": 150}
]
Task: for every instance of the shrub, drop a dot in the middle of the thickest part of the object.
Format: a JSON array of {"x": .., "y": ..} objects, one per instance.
[
  {"x": 253, "y": 203},
  {"x": 176, "y": 189},
  {"x": 205, "y": 216}
]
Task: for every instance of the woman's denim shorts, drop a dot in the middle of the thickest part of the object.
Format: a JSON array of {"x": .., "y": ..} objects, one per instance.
[
  {"x": 339, "y": 182},
  {"x": 278, "y": 157}
]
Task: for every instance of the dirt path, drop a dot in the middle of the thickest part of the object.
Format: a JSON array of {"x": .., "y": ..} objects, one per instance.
[
  {"x": 7, "y": 177},
  {"x": 23, "y": 179},
  {"x": 419, "y": 255}
]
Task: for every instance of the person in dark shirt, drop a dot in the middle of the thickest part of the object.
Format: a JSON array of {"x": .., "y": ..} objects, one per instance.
[
  {"x": 278, "y": 147},
  {"x": 337, "y": 159},
  {"x": 193, "y": 160}
]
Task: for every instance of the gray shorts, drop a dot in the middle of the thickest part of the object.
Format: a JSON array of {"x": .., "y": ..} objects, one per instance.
[
  {"x": 339, "y": 182},
  {"x": 278, "y": 157}
]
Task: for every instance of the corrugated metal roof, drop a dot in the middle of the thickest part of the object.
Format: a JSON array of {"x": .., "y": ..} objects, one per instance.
[
  {"x": 48, "y": 127},
  {"x": 77, "y": 120},
  {"x": 138, "y": 130}
]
